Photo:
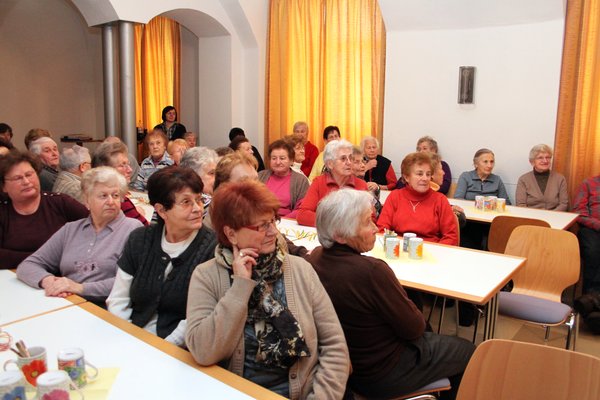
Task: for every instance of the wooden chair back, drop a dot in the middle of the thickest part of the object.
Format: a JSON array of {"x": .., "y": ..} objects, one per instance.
[
  {"x": 552, "y": 261},
  {"x": 504, "y": 369},
  {"x": 501, "y": 228},
  {"x": 451, "y": 191}
]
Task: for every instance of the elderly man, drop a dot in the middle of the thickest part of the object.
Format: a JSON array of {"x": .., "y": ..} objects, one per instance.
[
  {"x": 587, "y": 205},
  {"x": 390, "y": 351},
  {"x": 73, "y": 163},
  {"x": 47, "y": 151}
]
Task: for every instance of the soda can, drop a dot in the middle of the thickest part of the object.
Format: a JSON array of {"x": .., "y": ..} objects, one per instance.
[
  {"x": 501, "y": 205},
  {"x": 392, "y": 247},
  {"x": 415, "y": 248},
  {"x": 479, "y": 202},
  {"x": 405, "y": 239}
]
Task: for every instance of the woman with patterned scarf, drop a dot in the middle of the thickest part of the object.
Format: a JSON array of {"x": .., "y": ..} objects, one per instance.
[{"x": 259, "y": 311}]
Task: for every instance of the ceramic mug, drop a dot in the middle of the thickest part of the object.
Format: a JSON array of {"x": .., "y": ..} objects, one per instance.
[
  {"x": 71, "y": 361},
  {"x": 392, "y": 249},
  {"x": 32, "y": 366},
  {"x": 55, "y": 385},
  {"x": 12, "y": 385}
]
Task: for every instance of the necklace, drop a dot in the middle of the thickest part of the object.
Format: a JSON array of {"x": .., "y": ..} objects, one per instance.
[{"x": 414, "y": 205}]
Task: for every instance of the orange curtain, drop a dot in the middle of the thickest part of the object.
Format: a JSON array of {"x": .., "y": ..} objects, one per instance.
[
  {"x": 326, "y": 64},
  {"x": 157, "y": 69},
  {"x": 577, "y": 146}
]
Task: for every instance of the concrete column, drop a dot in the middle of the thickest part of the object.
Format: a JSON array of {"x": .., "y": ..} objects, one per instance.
[
  {"x": 127, "y": 82},
  {"x": 110, "y": 80}
]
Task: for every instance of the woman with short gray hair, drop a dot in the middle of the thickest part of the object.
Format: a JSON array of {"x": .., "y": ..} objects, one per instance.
[
  {"x": 379, "y": 172},
  {"x": 542, "y": 188},
  {"x": 391, "y": 353},
  {"x": 338, "y": 160},
  {"x": 81, "y": 257}
]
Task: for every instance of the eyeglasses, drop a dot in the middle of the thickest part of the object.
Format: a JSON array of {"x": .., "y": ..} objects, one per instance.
[
  {"x": 543, "y": 158},
  {"x": 189, "y": 202},
  {"x": 345, "y": 159},
  {"x": 264, "y": 226},
  {"x": 20, "y": 178}
]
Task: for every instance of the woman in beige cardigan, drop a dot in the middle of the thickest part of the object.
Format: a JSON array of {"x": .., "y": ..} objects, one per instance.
[
  {"x": 259, "y": 311},
  {"x": 542, "y": 188}
]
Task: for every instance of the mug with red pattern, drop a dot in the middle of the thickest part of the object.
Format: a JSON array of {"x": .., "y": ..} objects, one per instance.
[{"x": 32, "y": 366}]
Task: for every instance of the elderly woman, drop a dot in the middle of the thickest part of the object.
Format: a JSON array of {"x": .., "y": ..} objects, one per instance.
[
  {"x": 427, "y": 144},
  {"x": 81, "y": 258},
  {"x": 170, "y": 126},
  {"x": 204, "y": 163},
  {"x": 297, "y": 143},
  {"x": 176, "y": 149},
  {"x": 481, "y": 181},
  {"x": 330, "y": 133},
  {"x": 259, "y": 311},
  {"x": 391, "y": 353},
  {"x": 417, "y": 208},
  {"x": 155, "y": 269},
  {"x": 286, "y": 184},
  {"x": 29, "y": 217},
  {"x": 158, "y": 158},
  {"x": 190, "y": 139},
  {"x": 338, "y": 160},
  {"x": 379, "y": 171},
  {"x": 74, "y": 162},
  {"x": 47, "y": 150},
  {"x": 133, "y": 162},
  {"x": 114, "y": 154},
  {"x": 542, "y": 188}
]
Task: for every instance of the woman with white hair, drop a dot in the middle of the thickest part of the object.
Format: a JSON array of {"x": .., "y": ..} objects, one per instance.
[
  {"x": 74, "y": 162},
  {"x": 379, "y": 172},
  {"x": 204, "y": 163},
  {"x": 338, "y": 160},
  {"x": 47, "y": 151},
  {"x": 542, "y": 188},
  {"x": 81, "y": 258},
  {"x": 390, "y": 352}
]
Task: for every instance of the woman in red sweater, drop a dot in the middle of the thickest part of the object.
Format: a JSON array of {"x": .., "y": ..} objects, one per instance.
[{"x": 417, "y": 208}]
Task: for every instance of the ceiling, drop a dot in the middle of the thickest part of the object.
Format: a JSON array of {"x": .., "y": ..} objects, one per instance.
[{"x": 402, "y": 15}]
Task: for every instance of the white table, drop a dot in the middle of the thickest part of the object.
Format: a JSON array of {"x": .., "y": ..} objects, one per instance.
[
  {"x": 556, "y": 219},
  {"x": 145, "y": 371},
  {"x": 301, "y": 235},
  {"x": 19, "y": 301}
]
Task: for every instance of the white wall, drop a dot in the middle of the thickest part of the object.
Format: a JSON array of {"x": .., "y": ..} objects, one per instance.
[
  {"x": 188, "y": 101},
  {"x": 516, "y": 93}
]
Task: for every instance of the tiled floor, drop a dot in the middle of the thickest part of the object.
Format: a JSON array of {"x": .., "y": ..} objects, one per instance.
[{"x": 508, "y": 328}]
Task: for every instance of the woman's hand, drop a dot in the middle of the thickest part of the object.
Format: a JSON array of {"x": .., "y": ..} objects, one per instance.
[
  {"x": 243, "y": 261},
  {"x": 372, "y": 186},
  {"x": 60, "y": 287},
  {"x": 457, "y": 209},
  {"x": 372, "y": 163}
]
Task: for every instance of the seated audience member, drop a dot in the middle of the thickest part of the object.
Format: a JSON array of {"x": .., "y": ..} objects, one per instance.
[
  {"x": 172, "y": 129},
  {"x": 427, "y": 144},
  {"x": 390, "y": 351},
  {"x": 417, "y": 208},
  {"x": 81, "y": 257},
  {"x": 241, "y": 143},
  {"x": 5, "y": 147},
  {"x": 379, "y": 171},
  {"x": 338, "y": 160},
  {"x": 204, "y": 163},
  {"x": 311, "y": 152},
  {"x": 479, "y": 182},
  {"x": 35, "y": 134},
  {"x": 158, "y": 158},
  {"x": 133, "y": 162},
  {"x": 329, "y": 133},
  {"x": 29, "y": 217},
  {"x": 6, "y": 132},
  {"x": 297, "y": 144},
  {"x": 151, "y": 288},
  {"x": 73, "y": 163},
  {"x": 260, "y": 311},
  {"x": 47, "y": 150},
  {"x": 224, "y": 150},
  {"x": 190, "y": 138},
  {"x": 286, "y": 184},
  {"x": 237, "y": 132},
  {"x": 359, "y": 169},
  {"x": 542, "y": 188},
  {"x": 587, "y": 205},
  {"x": 176, "y": 149},
  {"x": 114, "y": 154}
]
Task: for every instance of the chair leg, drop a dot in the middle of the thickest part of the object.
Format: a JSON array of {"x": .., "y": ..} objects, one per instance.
[
  {"x": 432, "y": 308},
  {"x": 442, "y": 315},
  {"x": 572, "y": 325},
  {"x": 547, "y": 335}
]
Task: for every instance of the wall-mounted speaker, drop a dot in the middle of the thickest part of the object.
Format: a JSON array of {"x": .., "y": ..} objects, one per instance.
[{"x": 466, "y": 85}]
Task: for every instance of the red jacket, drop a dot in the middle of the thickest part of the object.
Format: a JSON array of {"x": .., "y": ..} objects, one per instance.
[{"x": 310, "y": 155}]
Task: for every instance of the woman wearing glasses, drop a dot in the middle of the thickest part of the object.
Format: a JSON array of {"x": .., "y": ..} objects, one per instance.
[
  {"x": 259, "y": 311},
  {"x": 338, "y": 160},
  {"x": 542, "y": 188},
  {"x": 170, "y": 249},
  {"x": 26, "y": 211}
]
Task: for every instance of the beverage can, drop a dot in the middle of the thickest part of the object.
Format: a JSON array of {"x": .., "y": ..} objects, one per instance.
[{"x": 405, "y": 239}]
